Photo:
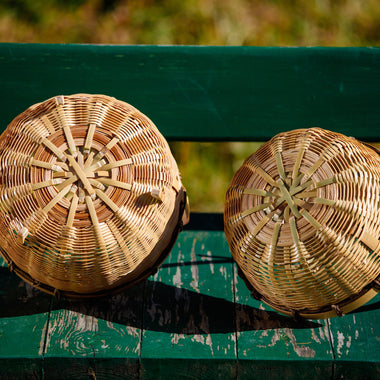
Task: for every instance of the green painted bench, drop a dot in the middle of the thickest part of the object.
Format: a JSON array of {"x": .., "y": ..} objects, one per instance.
[{"x": 194, "y": 318}]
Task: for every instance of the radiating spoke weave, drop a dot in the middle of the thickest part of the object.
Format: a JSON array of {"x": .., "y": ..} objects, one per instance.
[
  {"x": 302, "y": 220},
  {"x": 89, "y": 194}
]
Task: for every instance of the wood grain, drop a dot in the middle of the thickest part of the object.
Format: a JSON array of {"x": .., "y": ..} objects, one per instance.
[
  {"x": 104, "y": 328},
  {"x": 356, "y": 341},
  {"x": 276, "y": 336},
  {"x": 217, "y": 93},
  {"x": 24, "y": 313},
  {"x": 195, "y": 309}
]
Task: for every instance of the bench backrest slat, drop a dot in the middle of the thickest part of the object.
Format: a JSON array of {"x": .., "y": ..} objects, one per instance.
[{"x": 206, "y": 93}]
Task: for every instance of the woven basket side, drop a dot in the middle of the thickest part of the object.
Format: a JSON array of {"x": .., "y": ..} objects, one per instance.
[
  {"x": 89, "y": 188},
  {"x": 302, "y": 221}
]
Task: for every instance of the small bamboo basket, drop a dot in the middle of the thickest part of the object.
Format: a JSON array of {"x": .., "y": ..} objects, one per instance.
[
  {"x": 91, "y": 197},
  {"x": 302, "y": 219}
]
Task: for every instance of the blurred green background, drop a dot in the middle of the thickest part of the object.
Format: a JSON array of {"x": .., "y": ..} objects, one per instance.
[{"x": 206, "y": 168}]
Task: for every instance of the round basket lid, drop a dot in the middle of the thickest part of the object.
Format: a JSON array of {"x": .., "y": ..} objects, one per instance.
[
  {"x": 303, "y": 223},
  {"x": 91, "y": 197}
]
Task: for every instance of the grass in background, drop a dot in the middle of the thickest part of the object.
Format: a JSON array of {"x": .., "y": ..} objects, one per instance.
[
  {"x": 208, "y": 22},
  {"x": 207, "y": 168}
]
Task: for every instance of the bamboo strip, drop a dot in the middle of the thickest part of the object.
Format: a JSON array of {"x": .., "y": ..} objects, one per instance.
[
  {"x": 317, "y": 164},
  {"x": 288, "y": 198},
  {"x": 112, "y": 182},
  {"x": 73, "y": 208},
  {"x": 81, "y": 175},
  {"x": 252, "y": 210},
  {"x": 97, "y": 184},
  {"x": 54, "y": 149},
  {"x": 62, "y": 174},
  {"x": 307, "y": 194},
  {"x": 296, "y": 189},
  {"x": 311, "y": 220},
  {"x": 89, "y": 137},
  {"x": 81, "y": 195},
  {"x": 60, "y": 101},
  {"x": 325, "y": 182},
  {"x": 49, "y": 182},
  {"x": 370, "y": 241},
  {"x": 298, "y": 161},
  {"x": 261, "y": 224},
  {"x": 108, "y": 147},
  {"x": 280, "y": 166},
  {"x": 46, "y": 165},
  {"x": 56, "y": 199},
  {"x": 95, "y": 222},
  {"x": 276, "y": 233},
  {"x": 108, "y": 201},
  {"x": 46, "y": 122},
  {"x": 156, "y": 194},
  {"x": 89, "y": 161},
  {"x": 261, "y": 193},
  {"x": 69, "y": 181},
  {"x": 128, "y": 259},
  {"x": 115, "y": 164}
]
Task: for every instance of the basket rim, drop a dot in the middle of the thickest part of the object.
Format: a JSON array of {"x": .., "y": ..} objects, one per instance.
[{"x": 340, "y": 309}]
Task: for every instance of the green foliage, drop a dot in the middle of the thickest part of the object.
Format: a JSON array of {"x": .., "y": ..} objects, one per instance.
[
  {"x": 209, "y": 22},
  {"x": 206, "y": 168}
]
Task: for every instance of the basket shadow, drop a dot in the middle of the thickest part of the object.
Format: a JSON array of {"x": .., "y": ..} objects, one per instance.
[
  {"x": 182, "y": 311},
  {"x": 367, "y": 307},
  {"x": 149, "y": 305},
  {"x": 17, "y": 298}
]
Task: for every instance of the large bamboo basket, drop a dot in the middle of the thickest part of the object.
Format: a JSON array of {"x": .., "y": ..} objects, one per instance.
[
  {"x": 302, "y": 219},
  {"x": 91, "y": 196}
]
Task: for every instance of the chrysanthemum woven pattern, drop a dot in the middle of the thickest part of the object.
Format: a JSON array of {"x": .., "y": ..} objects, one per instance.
[
  {"x": 88, "y": 185},
  {"x": 302, "y": 220}
]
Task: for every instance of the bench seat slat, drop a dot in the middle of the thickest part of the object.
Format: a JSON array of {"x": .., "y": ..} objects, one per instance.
[{"x": 206, "y": 93}]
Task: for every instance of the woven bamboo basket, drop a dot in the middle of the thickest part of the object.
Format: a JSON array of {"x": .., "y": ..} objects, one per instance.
[
  {"x": 91, "y": 197},
  {"x": 302, "y": 220}
]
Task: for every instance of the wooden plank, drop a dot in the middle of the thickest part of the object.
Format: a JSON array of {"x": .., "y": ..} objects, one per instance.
[
  {"x": 357, "y": 370},
  {"x": 99, "y": 330},
  {"x": 356, "y": 342},
  {"x": 189, "y": 308},
  {"x": 90, "y": 368},
  {"x": 206, "y": 93},
  {"x": 20, "y": 368},
  {"x": 284, "y": 369},
  {"x": 200, "y": 369},
  {"x": 265, "y": 336},
  {"x": 24, "y": 315}
]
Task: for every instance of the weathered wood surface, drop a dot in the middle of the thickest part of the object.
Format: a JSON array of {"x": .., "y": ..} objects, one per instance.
[
  {"x": 191, "y": 301},
  {"x": 202, "y": 92},
  {"x": 193, "y": 319},
  {"x": 356, "y": 342}
]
